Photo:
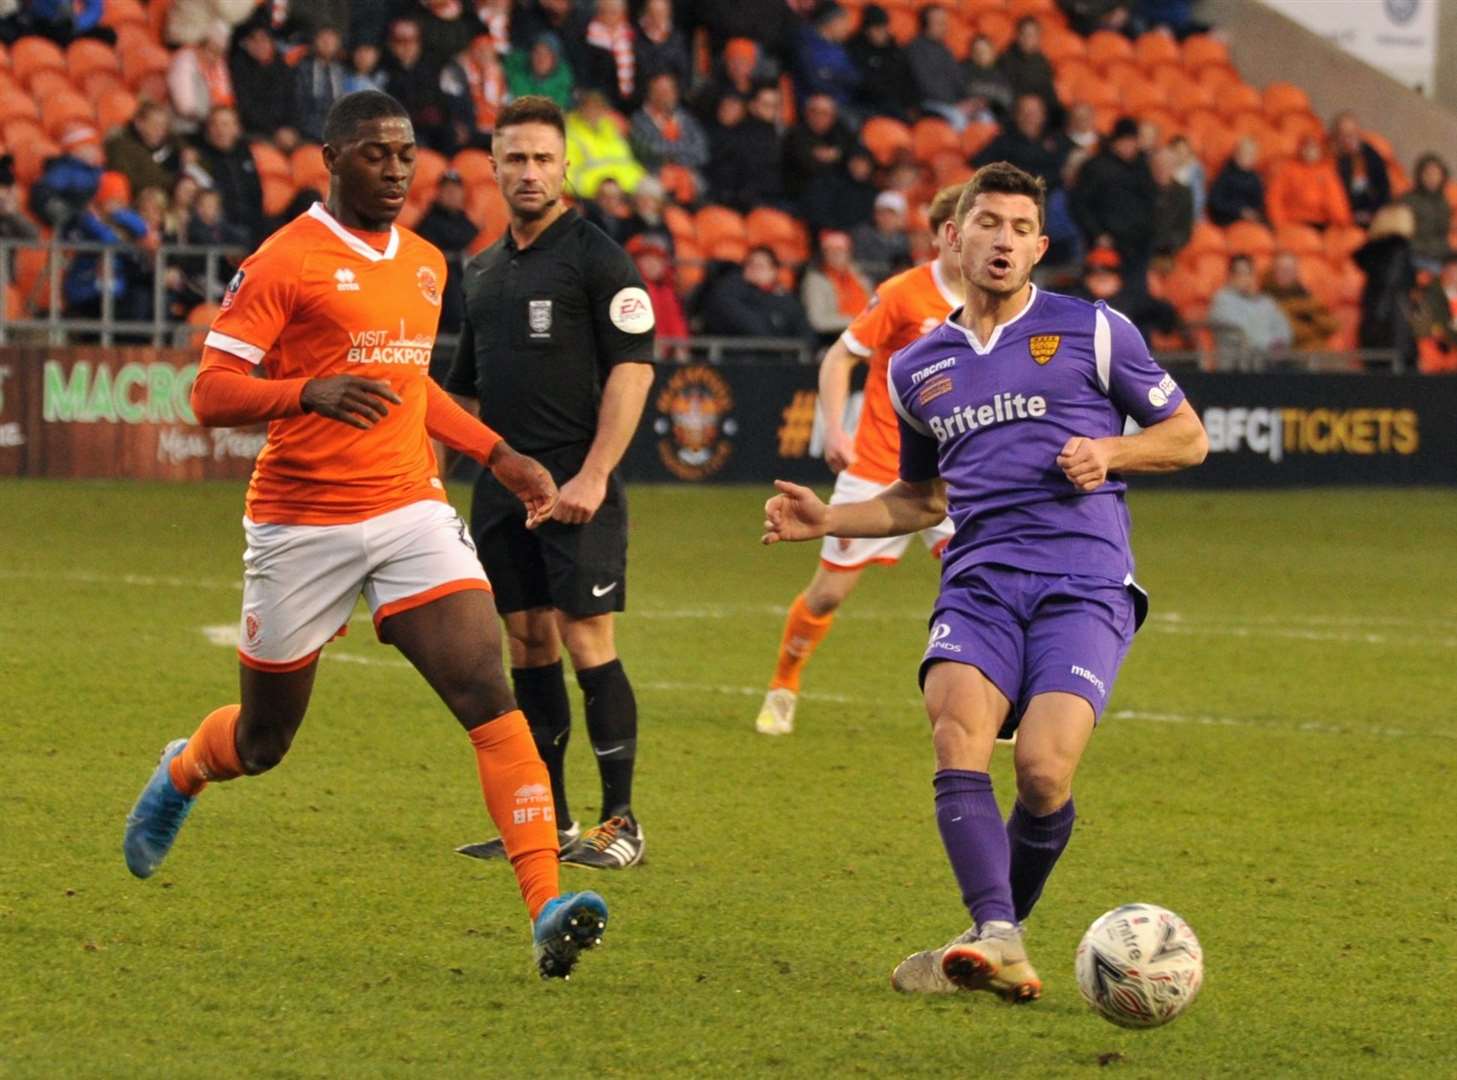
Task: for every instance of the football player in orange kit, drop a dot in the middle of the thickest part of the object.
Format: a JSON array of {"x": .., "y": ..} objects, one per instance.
[
  {"x": 904, "y": 307},
  {"x": 339, "y": 309}
]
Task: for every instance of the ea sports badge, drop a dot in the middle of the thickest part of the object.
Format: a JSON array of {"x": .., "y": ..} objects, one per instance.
[
  {"x": 631, "y": 311},
  {"x": 1043, "y": 346}
]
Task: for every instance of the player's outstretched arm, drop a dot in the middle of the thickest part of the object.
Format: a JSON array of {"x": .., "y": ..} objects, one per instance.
[
  {"x": 796, "y": 513},
  {"x": 835, "y": 371},
  {"x": 1168, "y": 446}
]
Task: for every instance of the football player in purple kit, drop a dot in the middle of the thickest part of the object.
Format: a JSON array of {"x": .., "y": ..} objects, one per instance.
[{"x": 1012, "y": 415}]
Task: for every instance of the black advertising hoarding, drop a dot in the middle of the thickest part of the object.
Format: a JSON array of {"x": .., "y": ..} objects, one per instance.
[{"x": 753, "y": 423}]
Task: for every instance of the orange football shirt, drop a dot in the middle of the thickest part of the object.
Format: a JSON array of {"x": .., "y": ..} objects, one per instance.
[
  {"x": 320, "y": 299},
  {"x": 904, "y": 308}
]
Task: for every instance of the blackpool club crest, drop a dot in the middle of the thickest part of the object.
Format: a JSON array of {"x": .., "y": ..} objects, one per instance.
[
  {"x": 538, "y": 318},
  {"x": 429, "y": 285},
  {"x": 1043, "y": 346}
]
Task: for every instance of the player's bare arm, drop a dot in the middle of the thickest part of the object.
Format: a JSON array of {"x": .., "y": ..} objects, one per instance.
[
  {"x": 527, "y": 479},
  {"x": 623, "y": 398},
  {"x": 835, "y": 371},
  {"x": 360, "y": 403},
  {"x": 797, "y": 513},
  {"x": 1176, "y": 443}
]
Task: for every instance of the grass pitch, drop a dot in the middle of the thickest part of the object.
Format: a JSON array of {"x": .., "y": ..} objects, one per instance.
[{"x": 1277, "y": 766}]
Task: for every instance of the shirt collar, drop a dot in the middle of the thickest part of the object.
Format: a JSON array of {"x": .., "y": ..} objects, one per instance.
[
  {"x": 321, "y": 213},
  {"x": 954, "y": 321},
  {"x": 553, "y": 233}
]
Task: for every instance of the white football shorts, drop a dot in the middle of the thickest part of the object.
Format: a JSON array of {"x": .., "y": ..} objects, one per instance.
[
  {"x": 838, "y": 553},
  {"x": 300, "y": 582}
]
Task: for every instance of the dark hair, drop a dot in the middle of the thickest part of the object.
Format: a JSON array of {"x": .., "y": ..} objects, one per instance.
[
  {"x": 926, "y": 11},
  {"x": 360, "y": 107},
  {"x": 1004, "y": 178},
  {"x": 763, "y": 249},
  {"x": 1025, "y": 19},
  {"x": 943, "y": 205},
  {"x": 1236, "y": 260},
  {"x": 532, "y": 109}
]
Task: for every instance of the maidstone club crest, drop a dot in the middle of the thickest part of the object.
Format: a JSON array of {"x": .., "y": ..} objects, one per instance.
[
  {"x": 1043, "y": 346},
  {"x": 694, "y": 423}
]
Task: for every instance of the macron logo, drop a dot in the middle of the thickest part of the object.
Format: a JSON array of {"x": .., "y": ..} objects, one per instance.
[
  {"x": 926, "y": 372},
  {"x": 1084, "y": 673}
]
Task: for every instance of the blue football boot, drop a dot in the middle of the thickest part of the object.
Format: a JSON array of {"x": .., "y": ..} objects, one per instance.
[
  {"x": 567, "y": 925},
  {"x": 158, "y": 814}
]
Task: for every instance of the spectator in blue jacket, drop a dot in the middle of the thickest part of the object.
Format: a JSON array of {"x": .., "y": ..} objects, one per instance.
[
  {"x": 108, "y": 220},
  {"x": 68, "y": 180},
  {"x": 822, "y": 62}
]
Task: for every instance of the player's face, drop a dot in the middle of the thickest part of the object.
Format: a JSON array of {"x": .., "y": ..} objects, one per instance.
[
  {"x": 531, "y": 166},
  {"x": 372, "y": 172},
  {"x": 999, "y": 242}
]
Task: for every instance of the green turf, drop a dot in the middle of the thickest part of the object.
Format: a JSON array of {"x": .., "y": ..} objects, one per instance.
[{"x": 1281, "y": 774}]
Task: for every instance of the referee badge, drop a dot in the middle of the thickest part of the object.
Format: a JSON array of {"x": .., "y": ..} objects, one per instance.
[
  {"x": 1043, "y": 346},
  {"x": 538, "y": 317}
]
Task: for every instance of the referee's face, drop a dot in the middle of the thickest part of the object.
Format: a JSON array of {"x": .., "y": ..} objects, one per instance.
[{"x": 531, "y": 166}]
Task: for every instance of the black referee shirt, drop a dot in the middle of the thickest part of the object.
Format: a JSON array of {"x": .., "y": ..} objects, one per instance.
[{"x": 544, "y": 327}]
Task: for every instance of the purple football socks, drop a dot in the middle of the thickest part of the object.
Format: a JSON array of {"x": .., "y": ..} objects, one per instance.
[
  {"x": 975, "y": 842},
  {"x": 1036, "y": 843}
]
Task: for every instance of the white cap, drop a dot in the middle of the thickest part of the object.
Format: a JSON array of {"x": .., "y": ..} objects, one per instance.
[{"x": 891, "y": 200}]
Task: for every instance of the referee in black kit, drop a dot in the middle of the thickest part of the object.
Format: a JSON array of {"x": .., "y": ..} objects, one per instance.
[{"x": 557, "y": 349}]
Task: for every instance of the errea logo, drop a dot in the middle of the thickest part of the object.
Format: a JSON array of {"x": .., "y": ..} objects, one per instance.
[{"x": 345, "y": 277}]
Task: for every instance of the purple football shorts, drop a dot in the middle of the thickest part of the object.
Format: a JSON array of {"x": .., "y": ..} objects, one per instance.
[{"x": 1036, "y": 633}]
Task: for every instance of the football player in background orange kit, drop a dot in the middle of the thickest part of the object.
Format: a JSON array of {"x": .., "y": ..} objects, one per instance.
[
  {"x": 904, "y": 307},
  {"x": 339, "y": 309}
]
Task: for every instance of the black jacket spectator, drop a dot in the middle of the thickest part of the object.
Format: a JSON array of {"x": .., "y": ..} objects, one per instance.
[
  {"x": 1386, "y": 296},
  {"x": 769, "y": 22},
  {"x": 1238, "y": 193},
  {"x": 886, "y": 88},
  {"x": 1112, "y": 197},
  {"x": 984, "y": 78},
  {"x": 416, "y": 85},
  {"x": 934, "y": 71},
  {"x": 1027, "y": 67},
  {"x": 842, "y": 199},
  {"x": 1173, "y": 205},
  {"x": 1363, "y": 173},
  {"x": 661, "y": 46},
  {"x": 318, "y": 82},
  {"x": 1028, "y": 144},
  {"x": 262, "y": 84},
  {"x": 818, "y": 143},
  {"x": 444, "y": 38},
  {"x": 747, "y": 302},
  {"x": 747, "y": 164},
  {"x": 225, "y": 157}
]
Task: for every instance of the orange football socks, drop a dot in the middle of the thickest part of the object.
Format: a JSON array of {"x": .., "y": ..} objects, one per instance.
[
  {"x": 803, "y": 630},
  {"x": 518, "y": 795},
  {"x": 210, "y": 754}
]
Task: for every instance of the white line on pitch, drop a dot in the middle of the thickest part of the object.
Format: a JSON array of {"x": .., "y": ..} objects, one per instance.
[{"x": 227, "y": 635}]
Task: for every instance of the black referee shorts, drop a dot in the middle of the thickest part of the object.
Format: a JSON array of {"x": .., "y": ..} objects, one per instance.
[{"x": 578, "y": 569}]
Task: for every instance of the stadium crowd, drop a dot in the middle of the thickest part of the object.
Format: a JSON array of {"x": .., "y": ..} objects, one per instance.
[{"x": 767, "y": 162}]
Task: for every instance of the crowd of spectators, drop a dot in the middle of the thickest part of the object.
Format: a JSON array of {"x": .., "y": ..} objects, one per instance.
[{"x": 771, "y": 116}]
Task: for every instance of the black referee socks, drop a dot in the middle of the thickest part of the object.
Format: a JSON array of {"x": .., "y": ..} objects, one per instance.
[{"x": 612, "y": 727}]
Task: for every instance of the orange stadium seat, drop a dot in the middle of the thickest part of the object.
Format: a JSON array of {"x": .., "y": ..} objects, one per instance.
[
  {"x": 680, "y": 223},
  {"x": 932, "y": 135},
  {"x": 413, "y": 210},
  {"x": 1168, "y": 76},
  {"x": 309, "y": 170},
  {"x": 277, "y": 193},
  {"x": 31, "y": 154},
  {"x": 1317, "y": 276},
  {"x": 1140, "y": 97},
  {"x": 1070, "y": 79},
  {"x": 1118, "y": 72},
  {"x": 125, "y": 12},
  {"x": 785, "y": 234},
  {"x": 1202, "y": 49},
  {"x": 429, "y": 164},
  {"x": 1105, "y": 46},
  {"x": 4, "y": 56},
  {"x": 721, "y": 230},
  {"x": 1062, "y": 45},
  {"x": 115, "y": 109},
  {"x": 1299, "y": 240},
  {"x": 1249, "y": 238},
  {"x": 1339, "y": 241},
  {"x": 142, "y": 61},
  {"x": 1351, "y": 281},
  {"x": 1205, "y": 237},
  {"x": 46, "y": 82},
  {"x": 98, "y": 85},
  {"x": 998, "y": 26},
  {"x": 904, "y": 25},
  {"x": 31, "y": 278},
  {"x": 688, "y": 264},
  {"x": 1451, "y": 192},
  {"x": 486, "y": 208},
  {"x": 59, "y": 110},
  {"x": 959, "y": 34},
  {"x": 1209, "y": 270},
  {"x": 975, "y": 137},
  {"x": 1167, "y": 123},
  {"x": 1183, "y": 289},
  {"x": 200, "y": 319},
  {"x": 1156, "y": 47},
  {"x": 680, "y": 182},
  {"x": 17, "y": 104},
  {"x": 130, "y": 36},
  {"x": 269, "y": 161},
  {"x": 1186, "y": 96},
  {"x": 1299, "y": 124},
  {"x": 84, "y": 56},
  {"x": 1284, "y": 97},
  {"x": 474, "y": 166},
  {"x": 1240, "y": 97},
  {"x": 1217, "y": 77},
  {"x": 886, "y": 139},
  {"x": 31, "y": 54},
  {"x": 950, "y": 168}
]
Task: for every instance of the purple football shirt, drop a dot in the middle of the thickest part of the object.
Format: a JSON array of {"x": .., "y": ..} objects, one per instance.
[{"x": 991, "y": 418}]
